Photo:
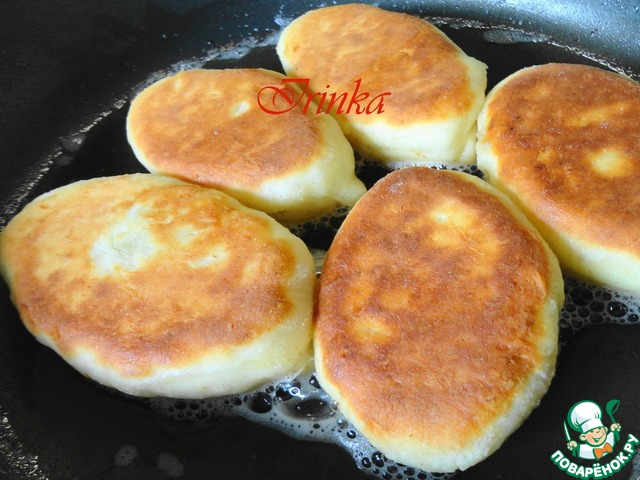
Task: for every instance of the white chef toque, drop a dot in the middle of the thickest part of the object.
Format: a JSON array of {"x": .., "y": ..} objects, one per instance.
[{"x": 585, "y": 416}]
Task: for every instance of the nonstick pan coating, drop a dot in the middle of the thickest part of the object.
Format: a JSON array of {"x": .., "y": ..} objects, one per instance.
[{"x": 69, "y": 70}]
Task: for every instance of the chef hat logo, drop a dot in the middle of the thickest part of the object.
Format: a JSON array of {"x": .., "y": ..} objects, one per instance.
[{"x": 585, "y": 416}]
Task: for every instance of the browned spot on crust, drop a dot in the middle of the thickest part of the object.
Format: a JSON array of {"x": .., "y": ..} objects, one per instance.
[
  {"x": 423, "y": 336},
  {"x": 206, "y": 127},
  {"x": 567, "y": 139},
  {"x": 390, "y": 52},
  {"x": 216, "y": 277}
]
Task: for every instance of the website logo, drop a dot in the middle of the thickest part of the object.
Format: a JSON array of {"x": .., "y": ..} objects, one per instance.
[{"x": 595, "y": 441}]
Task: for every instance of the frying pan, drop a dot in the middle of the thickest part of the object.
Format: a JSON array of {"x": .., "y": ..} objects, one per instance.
[{"x": 68, "y": 72}]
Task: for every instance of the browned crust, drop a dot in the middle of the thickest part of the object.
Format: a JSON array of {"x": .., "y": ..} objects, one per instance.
[
  {"x": 184, "y": 126},
  {"x": 165, "y": 314},
  {"x": 390, "y": 52},
  {"x": 428, "y": 330},
  {"x": 546, "y": 125}
]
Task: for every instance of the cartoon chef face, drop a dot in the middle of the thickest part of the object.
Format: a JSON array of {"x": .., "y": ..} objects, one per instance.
[{"x": 595, "y": 437}]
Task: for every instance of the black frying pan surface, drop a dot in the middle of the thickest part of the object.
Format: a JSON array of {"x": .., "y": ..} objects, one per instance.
[{"x": 68, "y": 72}]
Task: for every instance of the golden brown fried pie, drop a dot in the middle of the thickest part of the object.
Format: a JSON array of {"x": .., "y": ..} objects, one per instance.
[
  {"x": 158, "y": 287},
  {"x": 563, "y": 141},
  {"x": 437, "y": 318},
  {"x": 435, "y": 90},
  {"x": 207, "y": 127}
]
